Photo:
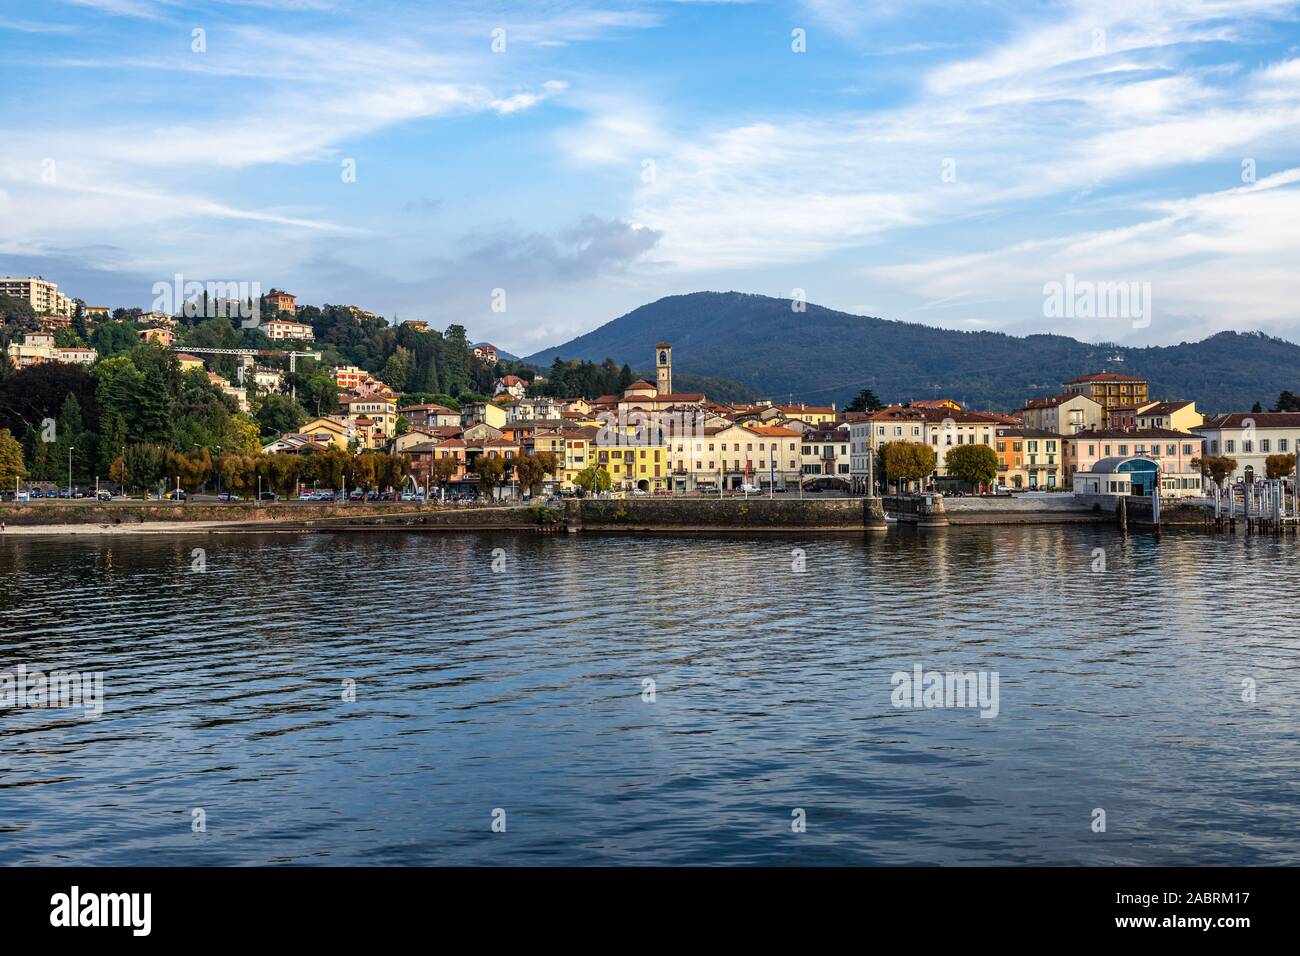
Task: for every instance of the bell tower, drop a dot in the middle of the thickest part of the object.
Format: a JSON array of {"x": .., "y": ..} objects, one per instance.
[{"x": 664, "y": 368}]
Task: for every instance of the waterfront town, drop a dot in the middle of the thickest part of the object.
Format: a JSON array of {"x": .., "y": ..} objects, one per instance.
[{"x": 309, "y": 403}]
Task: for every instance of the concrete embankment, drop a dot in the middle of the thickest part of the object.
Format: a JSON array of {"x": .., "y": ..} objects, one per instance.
[
  {"x": 933, "y": 511},
  {"x": 630, "y": 515}
]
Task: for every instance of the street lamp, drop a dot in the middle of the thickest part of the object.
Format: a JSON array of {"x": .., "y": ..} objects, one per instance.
[{"x": 70, "y": 447}]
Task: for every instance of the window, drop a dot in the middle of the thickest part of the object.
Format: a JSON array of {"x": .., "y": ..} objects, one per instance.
[
  {"x": 1187, "y": 449},
  {"x": 1002, "y": 446},
  {"x": 1171, "y": 450},
  {"x": 1263, "y": 444},
  {"x": 1229, "y": 446},
  {"x": 1247, "y": 446},
  {"x": 1281, "y": 444},
  {"x": 1123, "y": 449}
]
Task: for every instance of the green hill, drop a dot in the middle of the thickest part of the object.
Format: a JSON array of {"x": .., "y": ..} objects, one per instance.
[{"x": 822, "y": 355}]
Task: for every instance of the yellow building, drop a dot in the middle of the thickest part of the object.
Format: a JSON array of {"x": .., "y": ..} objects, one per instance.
[
  {"x": 1109, "y": 389},
  {"x": 328, "y": 431},
  {"x": 636, "y": 459},
  {"x": 1177, "y": 416},
  {"x": 572, "y": 448},
  {"x": 486, "y": 413},
  {"x": 812, "y": 414}
]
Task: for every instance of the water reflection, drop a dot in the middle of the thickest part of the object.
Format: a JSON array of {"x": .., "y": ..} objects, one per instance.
[{"x": 1120, "y": 688}]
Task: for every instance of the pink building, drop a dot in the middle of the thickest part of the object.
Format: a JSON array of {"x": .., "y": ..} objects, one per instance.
[{"x": 1174, "y": 451}]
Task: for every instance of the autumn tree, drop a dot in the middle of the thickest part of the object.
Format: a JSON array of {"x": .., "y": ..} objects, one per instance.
[
  {"x": 973, "y": 464},
  {"x": 1279, "y": 466},
  {"x": 11, "y": 459},
  {"x": 491, "y": 472},
  {"x": 906, "y": 461},
  {"x": 532, "y": 470},
  {"x": 1218, "y": 467}
]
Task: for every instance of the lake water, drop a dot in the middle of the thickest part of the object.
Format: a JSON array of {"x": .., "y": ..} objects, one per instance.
[{"x": 521, "y": 688}]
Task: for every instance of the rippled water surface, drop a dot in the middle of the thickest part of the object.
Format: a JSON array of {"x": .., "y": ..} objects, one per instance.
[{"x": 522, "y": 689}]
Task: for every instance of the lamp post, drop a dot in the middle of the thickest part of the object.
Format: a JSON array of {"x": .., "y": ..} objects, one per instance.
[{"x": 70, "y": 447}]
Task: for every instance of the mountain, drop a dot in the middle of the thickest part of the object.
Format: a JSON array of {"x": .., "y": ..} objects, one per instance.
[{"x": 822, "y": 356}]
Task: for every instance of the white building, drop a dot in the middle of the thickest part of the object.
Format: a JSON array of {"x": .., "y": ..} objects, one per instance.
[
  {"x": 940, "y": 428},
  {"x": 1249, "y": 438},
  {"x": 280, "y": 329}
]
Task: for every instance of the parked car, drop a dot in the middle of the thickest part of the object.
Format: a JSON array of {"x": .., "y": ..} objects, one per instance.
[
  {"x": 269, "y": 496},
  {"x": 176, "y": 496},
  {"x": 228, "y": 496},
  {"x": 104, "y": 496},
  {"x": 357, "y": 496}
]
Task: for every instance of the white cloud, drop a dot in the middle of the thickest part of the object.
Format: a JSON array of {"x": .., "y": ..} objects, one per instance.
[{"x": 1213, "y": 260}]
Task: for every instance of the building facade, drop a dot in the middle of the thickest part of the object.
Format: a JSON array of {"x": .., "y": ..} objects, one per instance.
[
  {"x": 42, "y": 295},
  {"x": 1249, "y": 438}
]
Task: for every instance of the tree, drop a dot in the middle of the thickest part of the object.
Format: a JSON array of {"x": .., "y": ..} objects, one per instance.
[
  {"x": 865, "y": 401},
  {"x": 1279, "y": 466},
  {"x": 78, "y": 324},
  {"x": 1287, "y": 402},
  {"x": 1218, "y": 467},
  {"x": 491, "y": 472},
  {"x": 442, "y": 470},
  {"x": 906, "y": 461},
  {"x": 11, "y": 459},
  {"x": 280, "y": 414},
  {"x": 594, "y": 478},
  {"x": 319, "y": 393},
  {"x": 533, "y": 469},
  {"x": 1257, "y": 407},
  {"x": 398, "y": 369},
  {"x": 973, "y": 464},
  {"x": 241, "y": 435}
]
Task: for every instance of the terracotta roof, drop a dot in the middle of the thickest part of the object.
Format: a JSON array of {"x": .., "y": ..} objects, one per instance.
[
  {"x": 663, "y": 345},
  {"x": 1134, "y": 434},
  {"x": 1261, "y": 420},
  {"x": 1164, "y": 408},
  {"x": 1016, "y": 431},
  {"x": 639, "y": 383},
  {"x": 899, "y": 413}
]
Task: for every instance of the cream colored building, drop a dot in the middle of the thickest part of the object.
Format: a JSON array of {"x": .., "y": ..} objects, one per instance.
[
  {"x": 1063, "y": 414},
  {"x": 1249, "y": 438},
  {"x": 43, "y": 296},
  {"x": 379, "y": 409},
  {"x": 37, "y": 348},
  {"x": 701, "y": 459}
]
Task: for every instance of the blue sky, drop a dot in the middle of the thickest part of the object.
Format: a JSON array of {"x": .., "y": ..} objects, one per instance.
[{"x": 616, "y": 152}]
